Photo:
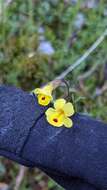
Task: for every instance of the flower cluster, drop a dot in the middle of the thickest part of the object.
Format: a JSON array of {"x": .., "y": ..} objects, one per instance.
[{"x": 59, "y": 115}]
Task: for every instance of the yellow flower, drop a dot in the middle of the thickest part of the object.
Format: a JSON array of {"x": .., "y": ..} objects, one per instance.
[
  {"x": 44, "y": 94},
  {"x": 59, "y": 115}
]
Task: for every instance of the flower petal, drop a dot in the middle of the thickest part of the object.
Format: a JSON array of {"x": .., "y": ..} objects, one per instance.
[
  {"x": 55, "y": 120},
  {"x": 37, "y": 91},
  {"x": 59, "y": 103},
  {"x": 67, "y": 122},
  {"x": 48, "y": 88},
  {"x": 49, "y": 111},
  {"x": 68, "y": 109},
  {"x": 43, "y": 99}
]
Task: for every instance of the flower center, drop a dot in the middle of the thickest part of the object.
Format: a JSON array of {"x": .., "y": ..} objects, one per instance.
[
  {"x": 43, "y": 98},
  {"x": 55, "y": 120}
]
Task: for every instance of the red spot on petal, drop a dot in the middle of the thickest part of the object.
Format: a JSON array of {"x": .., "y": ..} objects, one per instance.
[
  {"x": 43, "y": 98},
  {"x": 55, "y": 120}
]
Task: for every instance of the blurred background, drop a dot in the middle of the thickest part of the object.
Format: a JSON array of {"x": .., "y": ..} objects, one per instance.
[{"x": 38, "y": 41}]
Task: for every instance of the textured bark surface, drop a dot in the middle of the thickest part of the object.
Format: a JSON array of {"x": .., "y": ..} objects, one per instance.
[
  {"x": 76, "y": 158},
  {"x": 18, "y": 113}
]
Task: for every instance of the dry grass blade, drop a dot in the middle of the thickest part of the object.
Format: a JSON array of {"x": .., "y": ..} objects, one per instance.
[
  {"x": 20, "y": 177},
  {"x": 84, "y": 57}
]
